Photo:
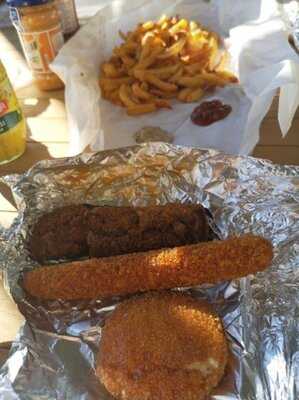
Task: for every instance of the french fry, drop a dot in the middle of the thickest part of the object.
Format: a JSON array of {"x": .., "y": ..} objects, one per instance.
[
  {"x": 111, "y": 71},
  {"x": 213, "y": 43},
  {"x": 108, "y": 84},
  {"x": 161, "y": 94},
  {"x": 139, "y": 109},
  {"x": 174, "y": 49},
  {"x": 223, "y": 61},
  {"x": 174, "y": 20},
  {"x": 191, "y": 81},
  {"x": 165, "y": 72},
  {"x": 130, "y": 71},
  {"x": 147, "y": 39},
  {"x": 155, "y": 81},
  {"x": 116, "y": 61},
  {"x": 144, "y": 86},
  {"x": 195, "y": 43},
  {"x": 127, "y": 60},
  {"x": 213, "y": 79},
  {"x": 140, "y": 93},
  {"x": 176, "y": 76},
  {"x": 114, "y": 97},
  {"x": 162, "y": 20},
  {"x": 148, "y": 25},
  {"x": 182, "y": 24},
  {"x": 193, "y": 26},
  {"x": 144, "y": 52},
  {"x": 227, "y": 76},
  {"x": 125, "y": 96},
  {"x": 162, "y": 103},
  {"x": 164, "y": 26},
  {"x": 193, "y": 69},
  {"x": 183, "y": 94},
  {"x": 165, "y": 36},
  {"x": 194, "y": 95},
  {"x": 150, "y": 59},
  {"x": 117, "y": 52},
  {"x": 136, "y": 99},
  {"x": 130, "y": 47},
  {"x": 199, "y": 56},
  {"x": 139, "y": 74}
]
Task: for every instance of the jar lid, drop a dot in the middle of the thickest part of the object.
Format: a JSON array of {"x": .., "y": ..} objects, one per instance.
[{"x": 26, "y": 3}]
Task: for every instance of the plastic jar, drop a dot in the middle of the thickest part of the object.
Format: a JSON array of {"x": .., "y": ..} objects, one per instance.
[
  {"x": 12, "y": 122},
  {"x": 39, "y": 27},
  {"x": 68, "y": 16}
]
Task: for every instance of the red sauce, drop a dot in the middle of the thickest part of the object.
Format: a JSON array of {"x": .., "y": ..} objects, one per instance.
[{"x": 209, "y": 112}]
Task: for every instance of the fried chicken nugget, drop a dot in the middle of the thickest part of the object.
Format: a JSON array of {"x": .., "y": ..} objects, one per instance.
[
  {"x": 165, "y": 346},
  {"x": 208, "y": 262}
]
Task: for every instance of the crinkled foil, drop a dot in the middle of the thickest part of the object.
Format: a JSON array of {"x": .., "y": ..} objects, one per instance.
[{"x": 54, "y": 354}]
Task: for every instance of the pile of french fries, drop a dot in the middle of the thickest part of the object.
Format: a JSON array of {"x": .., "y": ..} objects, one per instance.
[{"x": 163, "y": 60}]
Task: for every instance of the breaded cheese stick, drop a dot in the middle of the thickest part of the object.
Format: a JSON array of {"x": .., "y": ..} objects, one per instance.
[{"x": 208, "y": 262}]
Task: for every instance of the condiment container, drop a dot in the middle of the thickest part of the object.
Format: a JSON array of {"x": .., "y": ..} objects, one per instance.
[
  {"x": 12, "y": 122},
  {"x": 68, "y": 16},
  {"x": 40, "y": 31}
]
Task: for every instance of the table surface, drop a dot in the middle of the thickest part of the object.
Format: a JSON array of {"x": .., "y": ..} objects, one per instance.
[{"x": 48, "y": 138}]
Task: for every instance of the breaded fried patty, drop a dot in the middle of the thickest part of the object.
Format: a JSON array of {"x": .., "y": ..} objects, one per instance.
[
  {"x": 121, "y": 230},
  {"x": 162, "y": 346},
  {"x": 82, "y": 230}
]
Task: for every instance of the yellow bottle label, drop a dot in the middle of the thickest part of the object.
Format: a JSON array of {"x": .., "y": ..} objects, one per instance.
[
  {"x": 10, "y": 112},
  {"x": 12, "y": 122}
]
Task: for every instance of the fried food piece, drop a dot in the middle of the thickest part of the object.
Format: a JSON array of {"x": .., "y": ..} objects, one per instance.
[
  {"x": 74, "y": 231},
  {"x": 165, "y": 346},
  {"x": 115, "y": 230},
  {"x": 141, "y": 109},
  {"x": 60, "y": 233},
  {"x": 208, "y": 262}
]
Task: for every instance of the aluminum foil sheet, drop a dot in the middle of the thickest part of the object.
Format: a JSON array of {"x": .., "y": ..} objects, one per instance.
[{"x": 54, "y": 354}]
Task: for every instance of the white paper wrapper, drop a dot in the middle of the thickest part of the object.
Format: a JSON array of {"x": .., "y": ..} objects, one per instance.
[{"x": 256, "y": 39}]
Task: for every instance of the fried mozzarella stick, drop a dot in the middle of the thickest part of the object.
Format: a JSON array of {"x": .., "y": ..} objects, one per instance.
[{"x": 207, "y": 262}]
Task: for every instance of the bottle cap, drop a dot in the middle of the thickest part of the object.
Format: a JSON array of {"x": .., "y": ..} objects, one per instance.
[{"x": 26, "y": 3}]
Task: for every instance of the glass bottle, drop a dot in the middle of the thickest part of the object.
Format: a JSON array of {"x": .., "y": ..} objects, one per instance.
[
  {"x": 12, "y": 122},
  {"x": 68, "y": 17},
  {"x": 40, "y": 31}
]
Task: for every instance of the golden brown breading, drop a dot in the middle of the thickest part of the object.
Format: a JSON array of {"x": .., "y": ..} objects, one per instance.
[
  {"x": 166, "y": 346},
  {"x": 208, "y": 262}
]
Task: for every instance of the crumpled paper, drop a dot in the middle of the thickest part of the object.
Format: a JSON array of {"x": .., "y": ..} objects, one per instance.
[
  {"x": 55, "y": 352},
  {"x": 260, "y": 55}
]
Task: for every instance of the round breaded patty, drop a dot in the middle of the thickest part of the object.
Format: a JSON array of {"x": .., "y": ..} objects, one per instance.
[{"x": 162, "y": 346}]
